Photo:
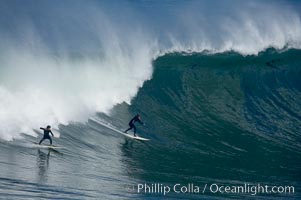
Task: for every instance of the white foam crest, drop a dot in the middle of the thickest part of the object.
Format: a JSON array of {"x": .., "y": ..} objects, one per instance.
[
  {"x": 37, "y": 89},
  {"x": 248, "y": 30}
]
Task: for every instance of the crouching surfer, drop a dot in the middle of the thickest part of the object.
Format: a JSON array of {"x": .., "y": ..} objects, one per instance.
[{"x": 137, "y": 118}]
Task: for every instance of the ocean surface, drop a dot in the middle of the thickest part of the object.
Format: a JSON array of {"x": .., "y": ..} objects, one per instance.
[{"x": 221, "y": 104}]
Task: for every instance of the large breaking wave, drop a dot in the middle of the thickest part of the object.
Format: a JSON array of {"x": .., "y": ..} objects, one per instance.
[{"x": 79, "y": 58}]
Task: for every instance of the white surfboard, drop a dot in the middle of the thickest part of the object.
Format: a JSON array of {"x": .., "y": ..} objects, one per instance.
[
  {"x": 37, "y": 145},
  {"x": 118, "y": 131}
]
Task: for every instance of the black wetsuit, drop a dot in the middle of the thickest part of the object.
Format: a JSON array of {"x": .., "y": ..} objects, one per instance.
[
  {"x": 131, "y": 124},
  {"x": 46, "y": 135}
]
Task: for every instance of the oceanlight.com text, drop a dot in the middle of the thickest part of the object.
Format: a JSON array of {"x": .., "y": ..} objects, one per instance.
[{"x": 251, "y": 189}]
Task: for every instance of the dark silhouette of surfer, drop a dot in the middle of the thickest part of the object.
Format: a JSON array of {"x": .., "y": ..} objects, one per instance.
[
  {"x": 137, "y": 118},
  {"x": 47, "y": 130}
]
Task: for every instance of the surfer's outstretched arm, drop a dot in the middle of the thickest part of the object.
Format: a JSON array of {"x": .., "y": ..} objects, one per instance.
[
  {"x": 42, "y": 128},
  {"x": 142, "y": 123}
]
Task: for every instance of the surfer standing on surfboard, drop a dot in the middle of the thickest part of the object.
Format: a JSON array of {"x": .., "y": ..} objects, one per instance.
[
  {"x": 137, "y": 118},
  {"x": 47, "y": 130}
]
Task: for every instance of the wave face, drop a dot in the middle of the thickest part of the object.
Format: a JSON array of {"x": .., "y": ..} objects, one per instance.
[
  {"x": 227, "y": 92},
  {"x": 76, "y": 59}
]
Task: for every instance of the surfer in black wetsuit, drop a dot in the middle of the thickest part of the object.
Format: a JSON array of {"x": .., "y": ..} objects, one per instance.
[
  {"x": 137, "y": 118},
  {"x": 47, "y": 130}
]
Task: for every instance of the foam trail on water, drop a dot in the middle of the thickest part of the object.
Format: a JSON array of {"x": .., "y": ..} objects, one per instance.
[{"x": 80, "y": 58}]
